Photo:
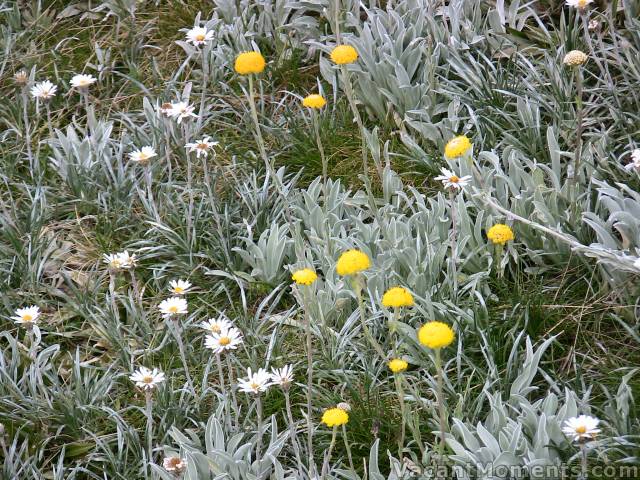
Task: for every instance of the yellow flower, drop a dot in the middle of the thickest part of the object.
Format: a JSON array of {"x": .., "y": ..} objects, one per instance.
[
  {"x": 575, "y": 58},
  {"x": 306, "y": 276},
  {"x": 397, "y": 297},
  {"x": 435, "y": 335},
  {"x": 500, "y": 234},
  {"x": 334, "y": 417},
  {"x": 344, "y": 54},
  {"x": 314, "y": 101},
  {"x": 351, "y": 262},
  {"x": 456, "y": 147},
  {"x": 397, "y": 365},
  {"x": 249, "y": 62}
]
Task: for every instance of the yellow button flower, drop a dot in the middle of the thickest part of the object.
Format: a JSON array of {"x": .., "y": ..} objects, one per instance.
[
  {"x": 352, "y": 262},
  {"x": 334, "y": 417},
  {"x": 314, "y": 101},
  {"x": 343, "y": 54},
  {"x": 500, "y": 234},
  {"x": 306, "y": 276},
  {"x": 456, "y": 147},
  {"x": 435, "y": 335},
  {"x": 397, "y": 297},
  {"x": 397, "y": 365},
  {"x": 249, "y": 62}
]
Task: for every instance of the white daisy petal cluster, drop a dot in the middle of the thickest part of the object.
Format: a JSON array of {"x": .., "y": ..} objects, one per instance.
[
  {"x": 179, "y": 287},
  {"x": 451, "y": 180},
  {"x": 44, "y": 90},
  {"x": 255, "y": 383},
  {"x": 199, "y": 36},
  {"x": 201, "y": 147},
  {"x": 216, "y": 325},
  {"x": 82, "y": 81},
  {"x": 147, "y": 379},
  {"x": 181, "y": 110},
  {"x": 282, "y": 376},
  {"x": 579, "y": 4},
  {"x": 142, "y": 155},
  {"x": 581, "y": 428},
  {"x": 120, "y": 261},
  {"x": 173, "y": 306},
  {"x": 635, "y": 161},
  {"x": 227, "y": 339},
  {"x": 26, "y": 315}
]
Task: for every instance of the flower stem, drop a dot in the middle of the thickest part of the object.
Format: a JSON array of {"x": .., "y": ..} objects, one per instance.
[
  {"x": 346, "y": 445},
  {"x": 454, "y": 242},
  {"x": 232, "y": 388},
  {"x": 258, "y": 132},
  {"x": 307, "y": 326},
  {"x": 367, "y": 333},
  {"x": 583, "y": 462},
  {"x": 149, "y": 406},
  {"x": 440, "y": 400},
  {"x": 398, "y": 381},
  {"x": 259, "y": 415},
  {"x": 178, "y": 335},
  {"x": 325, "y": 465},
  {"x": 579, "y": 128},
  {"x": 27, "y": 129},
  {"x": 292, "y": 428}
]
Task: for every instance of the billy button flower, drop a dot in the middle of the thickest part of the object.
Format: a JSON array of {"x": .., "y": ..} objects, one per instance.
[
  {"x": 350, "y": 264},
  {"x": 397, "y": 365},
  {"x": 397, "y": 297},
  {"x": 500, "y": 234},
  {"x": 336, "y": 417},
  {"x": 305, "y": 276},
  {"x": 437, "y": 335},
  {"x": 343, "y": 55},
  {"x": 249, "y": 62},
  {"x": 314, "y": 101},
  {"x": 457, "y": 146}
]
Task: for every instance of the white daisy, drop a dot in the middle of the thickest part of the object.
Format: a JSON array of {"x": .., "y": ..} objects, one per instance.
[
  {"x": 142, "y": 155},
  {"x": 120, "y": 260},
  {"x": 581, "y": 4},
  {"x": 181, "y": 110},
  {"x": 199, "y": 36},
  {"x": 282, "y": 376},
  {"x": 583, "y": 427},
  {"x": 451, "y": 180},
  {"x": 216, "y": 325},
  {"x": 173, "y": 306},
  {"x": 147, "y": 379},
  {"x": 227, "y": 339},
  {"x": 26, "y": 315},
  {"x": 44, "y": 90},
  {"x": 82, "y": 81},
  {"x": 179, "y": 287},
  {"x": 174, "y": 464},
  {"x": 201, "y": 147},
  {"x": 635, "y": 160},
  {"x": 255, "y": 382}
]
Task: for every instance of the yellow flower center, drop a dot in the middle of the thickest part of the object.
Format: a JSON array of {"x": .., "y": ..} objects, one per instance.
[
  {"x": 200, "y": 37},
  {"x": 173, "y": 309},
  {"x": 27, "y": 318},
  {"x": 178, "y": 290},
  {"x": 202, "y": 146},
  {"x": 224, "y": 341},
  {"x": 581, "y": 429},
  {"x": 215, "y": 328},
  {"x": 454, "y": 179},
  {"x": 254, "y": 386},
  {"x": 147, "y": 379}
]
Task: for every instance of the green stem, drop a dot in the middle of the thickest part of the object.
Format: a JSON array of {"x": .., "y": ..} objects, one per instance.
[
  {"x": 440, "y": 400},
  {"x": 307, "y": 325},
  {"x": 258, "y": 132},
  {"x": 325, "y": 465},
  {"x": 367, "y": 333},
  {"x": 148, "y": 394},
  {"x": 399, "y": 390},
  {"x": 346, "y": 446}
]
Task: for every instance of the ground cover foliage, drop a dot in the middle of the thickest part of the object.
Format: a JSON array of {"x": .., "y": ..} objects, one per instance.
[{"x": 250, "y": 181}]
